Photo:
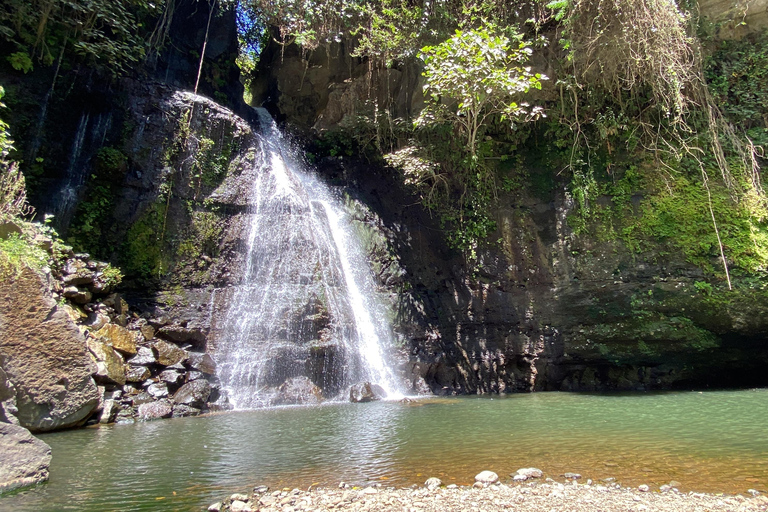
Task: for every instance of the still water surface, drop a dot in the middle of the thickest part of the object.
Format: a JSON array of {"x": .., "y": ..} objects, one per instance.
[{"x": 713, "y": 441}]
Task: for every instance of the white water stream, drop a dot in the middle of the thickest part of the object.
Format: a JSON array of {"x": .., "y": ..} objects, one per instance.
[{"x": 305, "y": 306}]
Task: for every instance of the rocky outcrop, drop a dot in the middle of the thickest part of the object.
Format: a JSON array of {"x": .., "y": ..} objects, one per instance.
[
  {"x": 25, "y": 458},
  {"x": 43, "y": 355}
]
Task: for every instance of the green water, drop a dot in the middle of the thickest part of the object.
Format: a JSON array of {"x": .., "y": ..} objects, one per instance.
[{"x": 712, "y": 441}]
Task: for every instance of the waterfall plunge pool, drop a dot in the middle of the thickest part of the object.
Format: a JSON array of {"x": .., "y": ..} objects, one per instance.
[{"x": 715, "y": 441}]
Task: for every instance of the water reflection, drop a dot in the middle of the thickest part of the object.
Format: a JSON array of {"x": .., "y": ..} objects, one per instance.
[{"x": 713, "y": 441}]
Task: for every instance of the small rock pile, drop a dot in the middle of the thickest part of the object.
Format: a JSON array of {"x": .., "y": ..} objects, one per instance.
[
  {"x": 146, "y": 367},
  {"x": 523, "y": 497}
]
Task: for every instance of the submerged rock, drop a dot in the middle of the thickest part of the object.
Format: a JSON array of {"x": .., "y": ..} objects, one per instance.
[
  {"x": 366, "y": 392},
  {"x": 524, "y": 474},
  {"x": 25, "y": 459},
  {"x": 298, "y": 390}
]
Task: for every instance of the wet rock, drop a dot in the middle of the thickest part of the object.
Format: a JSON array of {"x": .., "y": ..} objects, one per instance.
[
  {"x": 155, "y": 410},
  {"x": 181, "y": 410},
  {"x": 523, "y": 474},
  {"x": 144, "y": 356},
  {"x": 178, "y": 334},
  {"x": 433, "y": 483},
  {"x": 158, "y": 389},
  {"x": 120, "y": 338},
  {"x": 572, "y": 476},
  {"x": 298, "y": 390},
  {"x": 215, "y": 507},
  {"x": 136, "y": 373},
  {"x": 486, "y": 477},
  {"x": 167, "y": 353},
  {"x": 109, "y": 411},
  {"x": 194, "y": 375},
  {"x": 366, "y": 392},
  {"x": 643, "y": 488},
  {"x": 201, "y": 362},
  {"x": 52, "y": 376},
  {"x": 25, "y": 459},
  {"x": 193, "y": 393},
  {"x": 109, "y": 364}
]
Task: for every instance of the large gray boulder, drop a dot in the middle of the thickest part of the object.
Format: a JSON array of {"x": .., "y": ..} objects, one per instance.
[
  {"x": 43, "y": 354},
  {"x": 25, "y": 459},
  {"x": 298, "y": 390},
  {"x": 366, "y": 392},
  {"x": 194, "y": 393}
]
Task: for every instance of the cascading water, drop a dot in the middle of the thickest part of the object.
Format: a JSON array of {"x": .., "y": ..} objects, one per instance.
[{"x": 303, "y": 311}]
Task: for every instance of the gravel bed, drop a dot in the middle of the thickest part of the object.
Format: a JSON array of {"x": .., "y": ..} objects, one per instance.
[{"x": 526, "y": 496}]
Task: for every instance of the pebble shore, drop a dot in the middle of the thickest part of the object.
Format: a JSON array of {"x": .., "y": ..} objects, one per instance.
[{"x": 546, "y": 496}]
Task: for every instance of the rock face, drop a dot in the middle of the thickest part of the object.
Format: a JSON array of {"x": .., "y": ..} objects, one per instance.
[
  {"x": 44, "y": 356},
  {"x": 25, "y": 459},
  {"x": 366, "y": 392},
  {"x": 298, "y": 390}
]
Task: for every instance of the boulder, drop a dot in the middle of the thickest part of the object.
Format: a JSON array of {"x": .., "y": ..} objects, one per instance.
[
  {"x": 194, "y": 336},
  {"x": 144, "y": 356},
  {"x": 142, "y": 398},
  {"x": 171, "y": 376},
  {"x": 486, "y": 478},
  {"x": 433, "y": 483},
  {"x": 109, "y": 410},
  {"x": 194, "y": 393},
  {"x": 168, "y": 354},
  {"x": 181, "y": 410},
  {"x": 201, "y": 362},
  {"x": 77, "y": 295},
  {"x": 366, "y": 392},
  {"x": 44, "y": 355},
  {"x": 109, "y": 364},
  {"x": 158, "y": 389},
  {"x": 155, "y": 410},
  {"x": 298, "y": 390},
  {"x": 524, "y": 474},
  {"x": 136, "y": 373},
  {"x": 121, "y": 339},
  {"x": 147, "y": 331},
  {"x": 25, "y": 459}
]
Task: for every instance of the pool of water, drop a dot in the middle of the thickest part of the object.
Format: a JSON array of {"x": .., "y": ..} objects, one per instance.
[{"x": 713, "y": 441}]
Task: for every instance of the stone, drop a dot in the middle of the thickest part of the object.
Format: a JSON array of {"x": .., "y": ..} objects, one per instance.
[
  {"x": 158, "y": 389},
  {"x": 147, "y": 331},
  {"x": 144, "y": 356},
  {"x": 486, "y": 477},
  {"x": 121, "y": 339},
  {"x": 366, "y": 392},
  {"x": 109, "y": 411},
  {"x": 181, "y": 410},
  {"x": 25, "y": 459},
  {"x": 155, "y": 410},
  {"x": 194, "y": 375},
  {"x": 168, "y": 354},
  {"x": 524, "y": 474},
  {"x": 142, "y": 398},
  {"x": 77, "y": 295},
  {"x": 109, "y": 364},
  {"x": 80, "y": 278},
  {"x": 572, "y": 476},
  {"x": 240, "y": 506},
  {"x": 7, "y": 228},
  {"x": 260, "y": 489},
  {"x": 43, "y": 355},
  {"x": 201, "y": 362},
  {"x": 433, "y": 483},
  {"x": 215, "y": 507},
  {"x": 193, "y": 393},
  {"x": 136, "y": 373},
  {"x": 298, "y": 390},
  {"x": 643, "y": 488},
  {"x": 178, "y": 334},
  {"x": 171, "y": 376}
]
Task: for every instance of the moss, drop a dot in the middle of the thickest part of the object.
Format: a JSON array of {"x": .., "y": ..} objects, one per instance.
[{"x": 143, "y": 254}]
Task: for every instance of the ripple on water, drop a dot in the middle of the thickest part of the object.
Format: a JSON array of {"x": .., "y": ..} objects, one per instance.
[{"x": 713, "y": 441}]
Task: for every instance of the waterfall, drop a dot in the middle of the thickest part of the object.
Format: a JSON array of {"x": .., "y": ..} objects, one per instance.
[{"x": 304, "y": 311}]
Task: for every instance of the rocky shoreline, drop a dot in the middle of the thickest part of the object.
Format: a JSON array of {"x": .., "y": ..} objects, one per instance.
[{"x": 524, "y": 492}]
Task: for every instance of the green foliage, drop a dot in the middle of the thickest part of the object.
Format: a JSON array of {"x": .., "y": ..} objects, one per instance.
[
  {"x": 477, "y": 74},
  {"x": 13, "y": 190},
  {"x": 112, "y": 276},
  {"x": 143, "y": 254},
  {"x": 20, "y": 61},
  {"x": 17, "y": 251}
]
